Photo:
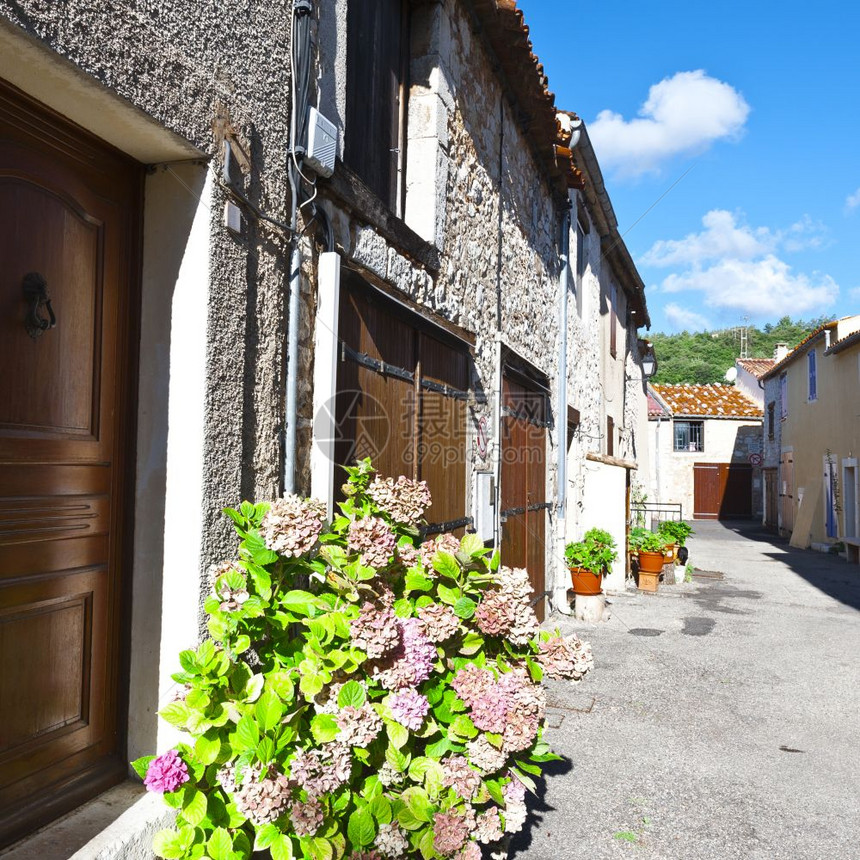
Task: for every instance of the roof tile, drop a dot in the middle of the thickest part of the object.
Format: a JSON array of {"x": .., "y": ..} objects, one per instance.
[{"x": 706, "y": 401}]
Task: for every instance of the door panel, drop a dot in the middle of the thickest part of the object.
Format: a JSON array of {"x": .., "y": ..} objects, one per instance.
[
  {"x": 523, "y": 482},
  {"x": 722, "y": 491},
  {"x": 69, "y": 210}
]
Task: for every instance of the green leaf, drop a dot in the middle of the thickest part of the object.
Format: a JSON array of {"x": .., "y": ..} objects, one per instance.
[
  {"x": 361, "y": 828},
  {"x": 165, "y": 843},
  {"x": 247, "y": 733},
  {"x": 495, "y": 789},
  {"x": 194, "y": 808},
  {"x": 527, "y": 781},
  {"x": 408, "y": 820},
  {"x": 463, "y": 727},
  {"x": 266, "y": 835},
  {"x": 205, "y": 653},
  {"x": 415, "y": 581},
  {"x": 396, "y": 759},
  {"x": 207, "y": 747},
  {"x": 141, "y": 765},
  {"x": 380, "y": 806},
  {"x": 439, "y": 748},
  {"x": 465, "y": 607},
  {"x": 188, "y": 661},
  {"x": 262, "y": 581},
  {"x": 220, "y": 845},
  {"x": 281, "y": 683},
  {"x": 324, "y": 728},
  {"x": 446, "y": 564},
  {"x": 242, "y": 643},
  {"x": 397, "y": 734},
  {"x": 253, "y": 688},
  {"x": 282, "y": 848},
  {"x": 321, "y": 848},
  {"x": 176, "y": 713},
  {"x": 299, "y": 602},
  {"x": 529, "y": 768},
  {"x": 448, "y": 595},
  {"x": 425, "y": 845},
  {"x": 471, "y": 544},
  {"x": 268, "y": 711},
  {"x": 351, "y": 695},
  {"x": 472, "y": 643},
  {"x": 418, "y": 802},
  {"x": 265, "y": 750}
]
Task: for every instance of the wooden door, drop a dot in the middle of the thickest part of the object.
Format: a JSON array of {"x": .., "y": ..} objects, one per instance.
[
  {"x": 722, "y": 491},
  {"x": 69, "y": 212},
  {"x": 402, "y": 394},
  {"x": 524, "y": 502},
  {"x": 706, "y": 491},
  {"x": 786, "y": 491},
  {"x": 771, "y": 498}
]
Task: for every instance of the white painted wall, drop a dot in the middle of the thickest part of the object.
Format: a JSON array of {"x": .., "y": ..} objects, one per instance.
[{"x": 605, "y": 488}]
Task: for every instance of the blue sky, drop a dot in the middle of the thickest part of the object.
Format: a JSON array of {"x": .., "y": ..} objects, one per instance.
[{"x": 754, "y": 110}]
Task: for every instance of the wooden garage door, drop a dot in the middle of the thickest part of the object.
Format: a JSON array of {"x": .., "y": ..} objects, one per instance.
[
  {"x": 402, "y": 398},
  {"x": 524, "y": 502},
  {"x": 68, "y": 225},
  {"x": 722, "y": 491}
]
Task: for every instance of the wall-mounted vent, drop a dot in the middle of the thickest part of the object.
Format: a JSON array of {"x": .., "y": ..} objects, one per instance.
[{"x": 322, "y": 143}]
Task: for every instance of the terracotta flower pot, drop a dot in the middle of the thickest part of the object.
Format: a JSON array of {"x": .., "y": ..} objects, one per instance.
[
  {"x": 671, "y": 552},
  {"x": 585, "y": 582},
  {"x": 651, "y": 562}
]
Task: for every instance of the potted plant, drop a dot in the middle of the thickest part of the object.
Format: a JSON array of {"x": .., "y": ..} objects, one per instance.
[
  {"x": 649, "y": 548},
  {"x": 589, "y": 559},
  {"x": 675, "y": 533}
]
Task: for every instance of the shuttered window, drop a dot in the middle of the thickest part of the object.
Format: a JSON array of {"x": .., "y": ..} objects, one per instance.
[
  {"x": 402, "y": 399},
  {"x": 376, "y": 86},
  {"x": 813, "y": 382}
]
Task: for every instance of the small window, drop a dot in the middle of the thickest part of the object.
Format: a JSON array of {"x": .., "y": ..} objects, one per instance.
[
  {"x": 613, "y": 321},
  {"x": 581, "y": 260},
  {"x": 689, "y": 436},
  {"x": 813, "y": 386},
  {"x": 610, "y": 436},
  {"x": 771, "y": 410},
  {"x": 783, "y": 397}
]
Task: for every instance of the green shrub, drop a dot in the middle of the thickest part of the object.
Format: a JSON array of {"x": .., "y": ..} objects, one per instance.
[
  {"x": 363, "y": 694},
  {"x": 675, "y": 531},
  {"x": 595, "y": 552}
]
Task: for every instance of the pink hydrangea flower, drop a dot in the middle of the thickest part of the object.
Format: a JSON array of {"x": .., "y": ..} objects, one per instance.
[
  {"x": 409, "y": 708},
  {"x": 166, "y": 773}
]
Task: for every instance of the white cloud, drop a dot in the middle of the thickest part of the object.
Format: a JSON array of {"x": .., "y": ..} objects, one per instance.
[
  {"x": 682, "y": 318},
  {"x": 726, "y": 236},
  {"x": 759, "y": 288},
  {"x": 852, "y": 201},
  {"x": 684, "y": 114}
]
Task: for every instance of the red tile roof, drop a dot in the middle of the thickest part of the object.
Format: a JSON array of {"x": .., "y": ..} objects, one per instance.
[
  {"x": 656, "y": 409},
  {"x": 707, "y": 401},
  {"x": 758, "y": 367}
]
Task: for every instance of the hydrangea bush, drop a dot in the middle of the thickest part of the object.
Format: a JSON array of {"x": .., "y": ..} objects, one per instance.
[{"x": 363, "y": 694}]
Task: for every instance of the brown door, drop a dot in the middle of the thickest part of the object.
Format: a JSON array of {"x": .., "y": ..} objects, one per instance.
[
  {"x": 722, "y": 491},
  {"x": 771, "y": 498},
  {"x": 402, "y": 393},
  {"x": 524, "y": 501},
  {"x": 786, "y": 491},
  {"x": 68, "y": 212}
]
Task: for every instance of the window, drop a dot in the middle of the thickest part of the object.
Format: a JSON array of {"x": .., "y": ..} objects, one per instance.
[
  {"x": 377, "y": 59},
  {"x": 689, "y": 436},
  {"x": 610, "y": 436},
  {"x": 783, "y": 397},
  {"x": 771, "y": 409},
  {"x": 813, "y": 388}
]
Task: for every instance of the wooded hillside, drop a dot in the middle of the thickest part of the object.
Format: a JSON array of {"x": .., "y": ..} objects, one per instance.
[{"x": 705, "y": 356}]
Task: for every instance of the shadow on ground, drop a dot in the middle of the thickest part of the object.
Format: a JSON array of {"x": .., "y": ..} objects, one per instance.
[
  {"x": 829, "y": 573},
  {"x": 537, "y": 804}
]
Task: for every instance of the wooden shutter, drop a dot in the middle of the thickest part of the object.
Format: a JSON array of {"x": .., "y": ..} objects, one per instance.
[{"x": 377, "y": 61}]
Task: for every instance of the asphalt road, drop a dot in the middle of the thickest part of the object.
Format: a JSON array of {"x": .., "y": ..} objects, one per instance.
[{"x": 722, "y": 719}]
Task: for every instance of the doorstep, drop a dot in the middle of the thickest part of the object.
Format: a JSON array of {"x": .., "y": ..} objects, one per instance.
[{"x": 119, "y": 823}]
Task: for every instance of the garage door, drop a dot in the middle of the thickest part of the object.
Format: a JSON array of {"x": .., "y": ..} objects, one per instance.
[{"x": 722, "y": 491}]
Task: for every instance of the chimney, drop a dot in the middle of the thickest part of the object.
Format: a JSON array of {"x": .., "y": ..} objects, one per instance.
[{"x": 780, "y": 351}]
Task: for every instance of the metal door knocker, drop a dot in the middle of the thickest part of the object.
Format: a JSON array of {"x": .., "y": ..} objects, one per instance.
[{"x": 36, "y": 294}]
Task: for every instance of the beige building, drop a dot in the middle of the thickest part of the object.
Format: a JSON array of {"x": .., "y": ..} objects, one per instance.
[
  {"x": 814, "y": 396},
  {"x": 705, "y": 443}
]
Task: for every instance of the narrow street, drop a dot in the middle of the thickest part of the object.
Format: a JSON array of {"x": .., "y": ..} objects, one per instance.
[{"x": 722, "y": 719}]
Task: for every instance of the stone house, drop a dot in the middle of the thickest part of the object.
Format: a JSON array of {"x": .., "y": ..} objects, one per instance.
[
  {"x": 749, "y": 372},
  {"x": 705, "y": 450},
  {"x": 811, "y": 442},
  {"x": 233, "y": 320}
]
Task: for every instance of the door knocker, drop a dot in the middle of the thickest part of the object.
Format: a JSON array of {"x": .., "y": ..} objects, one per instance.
[{"x": 36, "y": 294}]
